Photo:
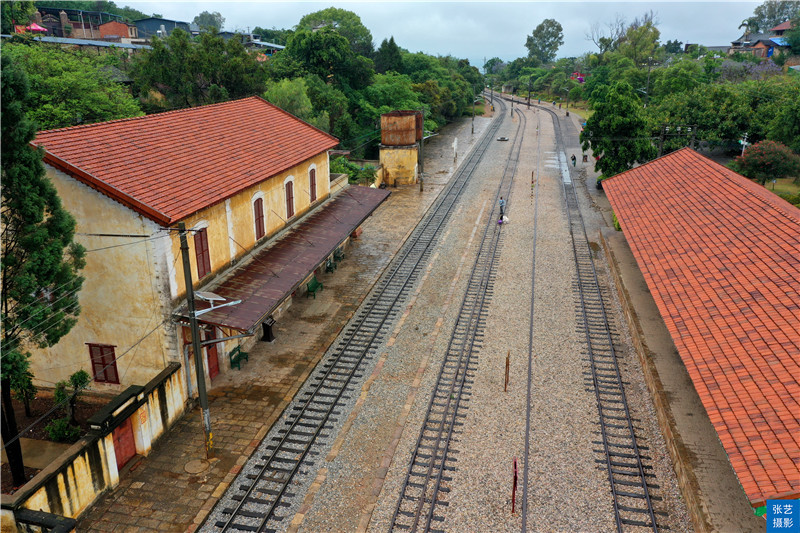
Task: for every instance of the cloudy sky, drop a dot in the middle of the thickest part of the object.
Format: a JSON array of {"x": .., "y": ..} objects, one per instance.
[{"x": 478, "y": 30}]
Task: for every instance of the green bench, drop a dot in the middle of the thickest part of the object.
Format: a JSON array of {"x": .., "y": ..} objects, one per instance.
[
  {"x": 330, "y": 265},
  {"x": 313, "y": 286},
  {"x": 236, "y": 357}
]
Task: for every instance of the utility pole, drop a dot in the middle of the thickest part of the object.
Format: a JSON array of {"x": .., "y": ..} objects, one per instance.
[
  {"x": 473, "y": 110},
  {"x": 529, "y": 92},
  {"x": 647, "y": 93},
  {"x": 196, "y": 347}
]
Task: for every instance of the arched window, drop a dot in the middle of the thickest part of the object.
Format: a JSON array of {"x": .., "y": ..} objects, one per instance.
[
  {"x": 258, "y": 215},
  {"x": 312, "y": 184},
  {"x": 289, "y": 185}
]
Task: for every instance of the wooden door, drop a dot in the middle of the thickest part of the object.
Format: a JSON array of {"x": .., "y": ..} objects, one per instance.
[
  {"x": 211, "y": 354},
  {"x": 124, "y": 443}
]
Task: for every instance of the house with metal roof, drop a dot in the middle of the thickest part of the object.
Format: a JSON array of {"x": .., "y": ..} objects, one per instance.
[
  {"x": 248, "y": 181},
  {"x": 721, "y": 258}
]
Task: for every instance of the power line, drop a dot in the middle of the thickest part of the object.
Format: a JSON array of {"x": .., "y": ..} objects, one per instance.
[{"x": 61, "y": 403}]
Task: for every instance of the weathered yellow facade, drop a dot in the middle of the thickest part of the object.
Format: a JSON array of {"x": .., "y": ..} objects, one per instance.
[
  {"x": 399, "y": 164},
  {"x": 134, "y": 284}
]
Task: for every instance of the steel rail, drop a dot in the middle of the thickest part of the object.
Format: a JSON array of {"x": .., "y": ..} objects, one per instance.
[
  {"x": 394, "y": 284},
  {"x": 452, "y": 380}
]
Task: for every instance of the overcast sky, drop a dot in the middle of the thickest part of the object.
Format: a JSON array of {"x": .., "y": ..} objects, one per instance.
[{"x": 478, "y": 30}]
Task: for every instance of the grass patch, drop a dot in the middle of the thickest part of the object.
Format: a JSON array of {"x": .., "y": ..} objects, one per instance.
[{"x": 783, "y": 186}]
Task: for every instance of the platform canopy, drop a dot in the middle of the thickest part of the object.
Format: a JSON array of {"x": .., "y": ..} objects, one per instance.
[
  {"x": 721, "y": 257},
  {"x": 273, "y": 273}
]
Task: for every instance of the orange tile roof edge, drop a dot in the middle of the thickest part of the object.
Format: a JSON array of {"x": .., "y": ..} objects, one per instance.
[
  {"x": 721, "y": 257},
  {"x": 167, "y": 166}
]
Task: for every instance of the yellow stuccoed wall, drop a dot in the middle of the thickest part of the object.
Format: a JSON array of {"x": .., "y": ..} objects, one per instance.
[
  {"x": 122, "y": 299},
  {"x": 131, "y": 289},
  {"x": 236, "y": 216},
  {"x": 399, "y": 165}
]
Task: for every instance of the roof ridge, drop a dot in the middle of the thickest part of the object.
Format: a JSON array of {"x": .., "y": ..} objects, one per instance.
[
  {"x": 295, "y": 117},
  {"x": 146, "y": 116}
]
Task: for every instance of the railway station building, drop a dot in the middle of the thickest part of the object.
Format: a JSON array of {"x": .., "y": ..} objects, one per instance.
[
  {"x": 720, "y": 256},
  {"x": 251, "y": 184}
]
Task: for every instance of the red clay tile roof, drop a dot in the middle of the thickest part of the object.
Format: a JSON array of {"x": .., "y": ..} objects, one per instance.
[
  {"x": 170, "y": 165},
  {"x": 782, "y": 26},
  {"x": 721, "y": 256}
]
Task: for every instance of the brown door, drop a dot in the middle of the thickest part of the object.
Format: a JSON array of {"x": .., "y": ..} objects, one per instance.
[
  {"x": 211, "y": 354},
  {"x": 124, "y": 443}
]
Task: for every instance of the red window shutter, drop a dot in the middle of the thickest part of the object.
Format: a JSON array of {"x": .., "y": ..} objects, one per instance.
[
  {"x": 289, "y": 199},
  {"x": 258, "y": 208},
  {"x": 104, "y": 363},
  {"x": 312, "y": 183},
  {"x": 201, "y": 252}
]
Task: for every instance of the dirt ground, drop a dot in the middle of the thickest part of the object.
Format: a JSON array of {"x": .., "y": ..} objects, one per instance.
[{"x": 41, "y": 407}]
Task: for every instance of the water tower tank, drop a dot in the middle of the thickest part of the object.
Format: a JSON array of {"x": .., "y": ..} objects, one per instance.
[{"x": 401, "y": 128}]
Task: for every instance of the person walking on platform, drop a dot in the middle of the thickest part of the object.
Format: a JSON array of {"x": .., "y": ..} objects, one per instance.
[{"x": 574, "y": 160}]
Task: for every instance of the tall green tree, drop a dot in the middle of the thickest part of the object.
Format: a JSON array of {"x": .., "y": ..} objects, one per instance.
[
  {"x": 771, "y": 13},
  {"x": 617, "y": 132},
  {"x": 388, "y": 57},
  {"x": 179, "y": 72},
  {"x": 345, "y": 23},
  {"x": 327, "y": 54},
  {"x": 207, "y": 19},
  {"x": 40, "y": 261},
  {"x": 292, "y": 97},
  {"x": 544, "y": 42},
  {"x": 69, "y": 87}
]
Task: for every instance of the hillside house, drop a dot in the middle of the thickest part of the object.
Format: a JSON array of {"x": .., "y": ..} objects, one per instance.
[
  {"x": 152, "y": 27},
  {"x": 245, "y": 177}
]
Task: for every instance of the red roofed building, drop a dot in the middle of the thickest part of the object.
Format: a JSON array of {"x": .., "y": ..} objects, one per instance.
[
  {"x": 240, "y": 175},
  {"x": 721, "y": 257}
]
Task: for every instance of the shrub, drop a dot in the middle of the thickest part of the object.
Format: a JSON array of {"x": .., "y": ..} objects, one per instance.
[
  {"x": 615, "y": 222},
  {"x": 767, "y": 160},
  {"x": 355, "y": 173},
  {"x": 793, "y": 199},
  {"x": 60, "y": 430}
]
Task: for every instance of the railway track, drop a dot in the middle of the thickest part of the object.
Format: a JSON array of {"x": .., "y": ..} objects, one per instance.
[
  {"x": 259, "y": 498},
  {"x": 423, "y": 497},
  {"x": 629, "y": 475}
]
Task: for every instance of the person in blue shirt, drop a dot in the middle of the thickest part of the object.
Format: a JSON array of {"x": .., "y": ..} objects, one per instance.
[{"x": 502, "y": 207}]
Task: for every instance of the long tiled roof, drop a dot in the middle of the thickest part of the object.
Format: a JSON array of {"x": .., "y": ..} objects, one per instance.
[
  {"x": 721, "y": 256},
  {"x": 170, "y": 165}
]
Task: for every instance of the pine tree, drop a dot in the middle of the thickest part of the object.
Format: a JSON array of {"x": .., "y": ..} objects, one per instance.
[{"x": 40, "y": 261}]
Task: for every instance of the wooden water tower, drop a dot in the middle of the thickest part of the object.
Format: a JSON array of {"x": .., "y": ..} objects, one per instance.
[{"x": 401, "y": 131}]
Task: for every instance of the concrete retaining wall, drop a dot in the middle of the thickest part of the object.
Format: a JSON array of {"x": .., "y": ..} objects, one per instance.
[{"x": 69, "y": 485}]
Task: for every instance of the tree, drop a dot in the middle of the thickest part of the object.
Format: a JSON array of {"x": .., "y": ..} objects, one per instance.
[
  {"x": 388, "y": 57},
  {"x": 327, "y": 54},
  {"x": 272, "y": 35},
  {"x": 767, "y": 160},
  {"x": 545, "y": 40},
  {"x": 608, "y": 40},
  {"x": 640, "y": 43},
  {"x": 792, "y": 36},
  {"x": 40, "y": 261},
  {"x": 292, "y": 97},
  {"x": 771, "y": 13},
  {"x": 210, "y": 20},
  {"x": 177, "y": 72},
  {"x": 15, "y": 13},
  {"x": 69, "y": 87},
  {"x": 673, "y": 47},
  {"x": 617, "y": 132},
  {"x": 345, "y": 23}
]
